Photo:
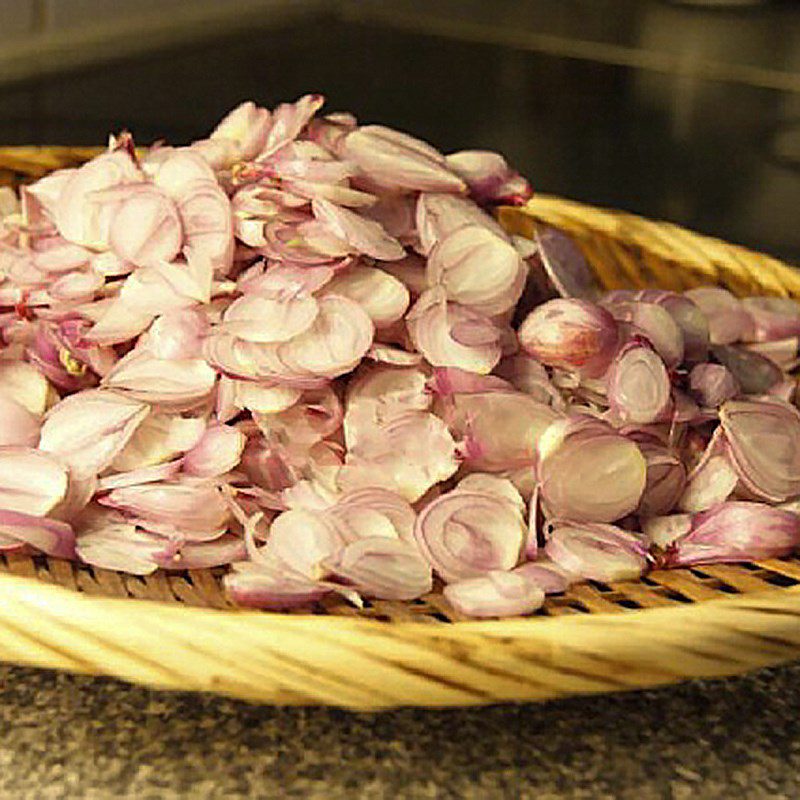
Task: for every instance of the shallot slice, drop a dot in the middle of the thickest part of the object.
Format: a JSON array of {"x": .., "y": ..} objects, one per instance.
[
  {"x": 276, "y": 317},
  {"x": 31, "y": 482},
  {"x": 764, "y": 441},
  {"x": 247, "y": 127},
  {"x": 565, "y": 265},
  {"x": 712, "y": 479},
  {"x": 496, "y": 594},
  {"x": 178, "y": 383},
  {"x": 48, "y": 536},
  {"x": 735, "y": 531},
  {"x": 597, "y": 552},
  {"x": 666, "y": 479},
  {"x": 17, "y": 425},
  {"x": 478, "y": 269},
  {"x": 753, "y": 372},
  {"x": 381, "y": 295},
  {"x": 451, "y": 335},
  {"x": 689, "y": 318},
  {"x": 712, "y": 384},
  {"x": 363, "y": 235},
  {"x": 302, "y": 540},
  {"x": 546, "y": 574},
  {"x": 218, "y": 451},
  {"x": 399, "y": 161},
  {"x": 363, "y": 513},
  {"x": 728, "y": 320},
  {"x": 782, "y": 352},
  {"x": 24, "y": 384},
  {"x": 500, "y": 429},
  {"x": 392, "y": 389},
  {"x": 88, "y": 430},
  {"x": 657, "y": 325},
  {"x": 639, "y": 388},
  {"x": 146, "y": 227},
  {"x": 712, "y": 482},
  {"x": 409, "y": 452},
  {"x": 774, "y": 318},
  {"x": 335, "y": 343},
  {"x": 439, "y": 214},
  {"x": 81, "y": 218},
  {"x": 487, "y": 483},
  {"x": 588, "y": 471},
  {"x": 270, "y": 587},
  {"x": 159, "y": 437},
  {"x": 388, "y": 569},
  {"x": 466, "y": 534},
  {"x": 108, "y": 541},
  {"x": 187, "y": 506},
  {"x": 202, "y": 555},
  {"x": 489, "y": 177}
]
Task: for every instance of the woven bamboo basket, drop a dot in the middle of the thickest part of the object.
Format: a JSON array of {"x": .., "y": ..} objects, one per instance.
[{"x": 177, "y": 630}]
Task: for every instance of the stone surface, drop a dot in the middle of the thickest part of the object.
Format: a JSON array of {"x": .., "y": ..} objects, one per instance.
[{"x": 65, "y": 737}]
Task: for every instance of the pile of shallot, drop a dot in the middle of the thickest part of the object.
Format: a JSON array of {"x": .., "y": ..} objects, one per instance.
[{"x": 304, "y": 349}]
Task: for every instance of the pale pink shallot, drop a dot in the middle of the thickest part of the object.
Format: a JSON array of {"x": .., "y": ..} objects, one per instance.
[{"x": 305, "y": 351}]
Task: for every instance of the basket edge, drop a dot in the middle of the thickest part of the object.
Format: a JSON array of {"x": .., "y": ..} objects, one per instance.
[{"x": 364, "y": 664}]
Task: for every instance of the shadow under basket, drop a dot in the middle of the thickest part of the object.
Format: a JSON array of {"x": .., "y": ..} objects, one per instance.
[{"x": 178, "y": 631}]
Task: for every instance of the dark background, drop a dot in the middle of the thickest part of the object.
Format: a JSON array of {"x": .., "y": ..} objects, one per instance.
[{"x": 540, "y": 81}]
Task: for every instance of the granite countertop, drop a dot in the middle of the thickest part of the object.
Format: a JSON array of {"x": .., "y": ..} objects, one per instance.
[{"x": 65, "y": 737}]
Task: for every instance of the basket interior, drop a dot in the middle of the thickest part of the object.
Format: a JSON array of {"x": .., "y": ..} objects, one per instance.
[{"x": 625, "y": 251}]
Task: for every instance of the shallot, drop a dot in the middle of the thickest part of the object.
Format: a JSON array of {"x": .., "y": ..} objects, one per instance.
[{"x": 304, "y": 350}]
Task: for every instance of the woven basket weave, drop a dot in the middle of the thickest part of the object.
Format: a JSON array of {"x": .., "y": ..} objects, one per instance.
[{"x": 177, "y": 631}]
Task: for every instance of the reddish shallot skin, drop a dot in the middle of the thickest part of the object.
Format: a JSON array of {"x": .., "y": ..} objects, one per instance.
[{"x": 304, "y": 350}]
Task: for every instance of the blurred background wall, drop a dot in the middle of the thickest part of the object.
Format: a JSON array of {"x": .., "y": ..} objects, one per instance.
[{"x": 683, "y": 110}]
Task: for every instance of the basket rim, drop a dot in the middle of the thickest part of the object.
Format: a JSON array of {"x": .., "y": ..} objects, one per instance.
[
  {"x": 365, "y": 664},
  {"x": 23, "y": 586}
]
